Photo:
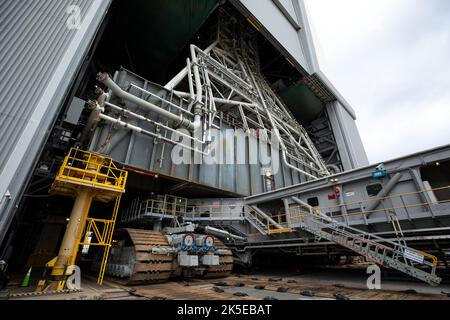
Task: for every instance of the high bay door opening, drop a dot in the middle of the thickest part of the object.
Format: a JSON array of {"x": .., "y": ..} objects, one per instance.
[
  {"x": 154, "y": 58},
  {"x": 124, "y": 45},
  {"x": 127, "y": 38},
  {"x": 220, "y": 97}
]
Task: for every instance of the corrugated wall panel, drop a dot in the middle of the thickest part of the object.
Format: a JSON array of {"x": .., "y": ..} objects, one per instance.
[
  {"x": 39, "y": 59},
  {"x": 34, "y": 36}
]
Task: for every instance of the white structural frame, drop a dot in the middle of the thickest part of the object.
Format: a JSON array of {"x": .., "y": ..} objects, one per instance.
[{"x": 226, "y": 77}]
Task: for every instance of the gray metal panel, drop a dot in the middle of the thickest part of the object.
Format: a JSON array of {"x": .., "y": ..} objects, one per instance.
[
  {"x": 355, "y": 143},
  {"x": 146, "y": 153},
  {"x": 278, "y": 28},
  {"x": 405, "y": 201},
  {"x": 347, "y": 137},
  {"x": 306, "y": 38},
  {"x": 39, "y": 58},
  {"x": 75, "y": 110},
  {"x": 346, "y": 160},
  {"x": 393, "y": 166},
  {"x": 356, "y": 200},
  {"x": 287, "y": 7}
]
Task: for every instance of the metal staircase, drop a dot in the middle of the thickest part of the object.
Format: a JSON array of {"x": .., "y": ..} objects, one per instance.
[
  {"x": 390, "y": 254},
  {"x": 263, "y": 222},
  {"x": 383, "y": 252},
  {"x": 253, "y": 218}
]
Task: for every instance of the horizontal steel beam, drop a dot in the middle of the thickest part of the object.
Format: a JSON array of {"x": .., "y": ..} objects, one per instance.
[{"x": 392, "y": 166}]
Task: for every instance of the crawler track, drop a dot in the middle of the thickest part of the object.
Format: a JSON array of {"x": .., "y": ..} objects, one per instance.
[
  {"x": 136, "y": 262},
  {"x": 226, "y": 262},
  {"x": 149, "y": 267}
]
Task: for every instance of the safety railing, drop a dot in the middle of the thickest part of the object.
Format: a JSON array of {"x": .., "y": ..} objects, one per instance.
[
  {"x": 280, "y": 226},
  {"x": 99, "y": 233},
  {"x": 86, "y": 168},
  {"x": 331, "y": 211},
  {"x": 265, "y": 225},
  {"x": 258, "y": 222},
  {"x": 161, "y": 207},
  {"x": 170, "y": 207},
  {"x": 214, "y": 213},
  {"x": 375, "y": 248},
  {"x": 401, "y": 197}
]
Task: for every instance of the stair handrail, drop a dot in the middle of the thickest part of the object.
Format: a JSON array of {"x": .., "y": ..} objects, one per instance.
[{"x": 407, "y": 252}]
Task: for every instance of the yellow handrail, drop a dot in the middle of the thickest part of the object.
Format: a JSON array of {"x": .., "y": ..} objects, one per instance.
[{"x": 86, "y": 167}]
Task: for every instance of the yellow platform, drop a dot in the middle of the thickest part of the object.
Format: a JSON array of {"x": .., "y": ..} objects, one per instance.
[{"x": 82, "y": 169}]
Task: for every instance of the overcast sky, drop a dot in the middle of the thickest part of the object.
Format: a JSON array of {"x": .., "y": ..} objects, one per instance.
[{"x": 390, "y": 59}]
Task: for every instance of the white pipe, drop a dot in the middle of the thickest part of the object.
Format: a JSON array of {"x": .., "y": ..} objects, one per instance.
[
  {"x": 179, "y": 120},
  {"x": 138, "y": 116},
  {"x": 137, "y": 129},
  {"x": 277, "y": 133},
  {"x": 218, "y": 100},
  {"x": 183, "y": 73},
  {"x": 191, "y": 84},
  {"x": 165, "y": 101},
  {"x": 222, "y": 233},
  {"x": 199, "y": 90}
]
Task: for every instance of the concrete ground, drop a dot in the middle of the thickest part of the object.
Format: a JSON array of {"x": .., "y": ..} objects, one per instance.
[
  {"x": 325, "y": 284},
  {"x": 261, "y": 294},
  {"x": 358, "y": 279}
]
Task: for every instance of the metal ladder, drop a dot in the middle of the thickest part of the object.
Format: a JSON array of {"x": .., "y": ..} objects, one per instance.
[{"x": 383, "y": 252}]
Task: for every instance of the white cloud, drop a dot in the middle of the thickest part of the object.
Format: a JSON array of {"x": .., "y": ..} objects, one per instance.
[{"x": 390, "y": 60}]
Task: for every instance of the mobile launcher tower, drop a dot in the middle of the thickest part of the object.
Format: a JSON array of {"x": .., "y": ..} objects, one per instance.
[{"x": 229, "y": 138}]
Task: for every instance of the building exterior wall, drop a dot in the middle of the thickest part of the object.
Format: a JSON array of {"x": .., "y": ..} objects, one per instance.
[
  {"x": 347, "y": 137},
  {"x": 39, "y": 57},
  {"x": 281, "y": 22}
]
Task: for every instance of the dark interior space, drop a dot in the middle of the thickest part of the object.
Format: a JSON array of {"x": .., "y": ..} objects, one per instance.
[
  {"x": 158, "y": 56},
  {"x": 438, "y": 175}
]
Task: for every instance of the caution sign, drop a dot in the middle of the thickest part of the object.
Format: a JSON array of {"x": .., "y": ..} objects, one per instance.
[{"x": 414, "y": 256}]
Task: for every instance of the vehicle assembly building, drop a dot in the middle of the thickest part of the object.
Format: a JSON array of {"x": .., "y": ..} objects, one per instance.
[{"x": 147, "y": 140}]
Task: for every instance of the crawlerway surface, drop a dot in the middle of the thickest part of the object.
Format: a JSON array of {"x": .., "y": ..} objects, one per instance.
[{"x": 317, "y": 286}]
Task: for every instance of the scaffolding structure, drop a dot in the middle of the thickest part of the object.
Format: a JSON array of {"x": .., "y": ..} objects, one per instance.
[{"x": 87, "y": 177}]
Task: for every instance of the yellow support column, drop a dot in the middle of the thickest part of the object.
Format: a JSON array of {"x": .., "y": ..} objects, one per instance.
[
  {"x": 77, "y": 221},
  {"x": 88, "y": 177}
]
